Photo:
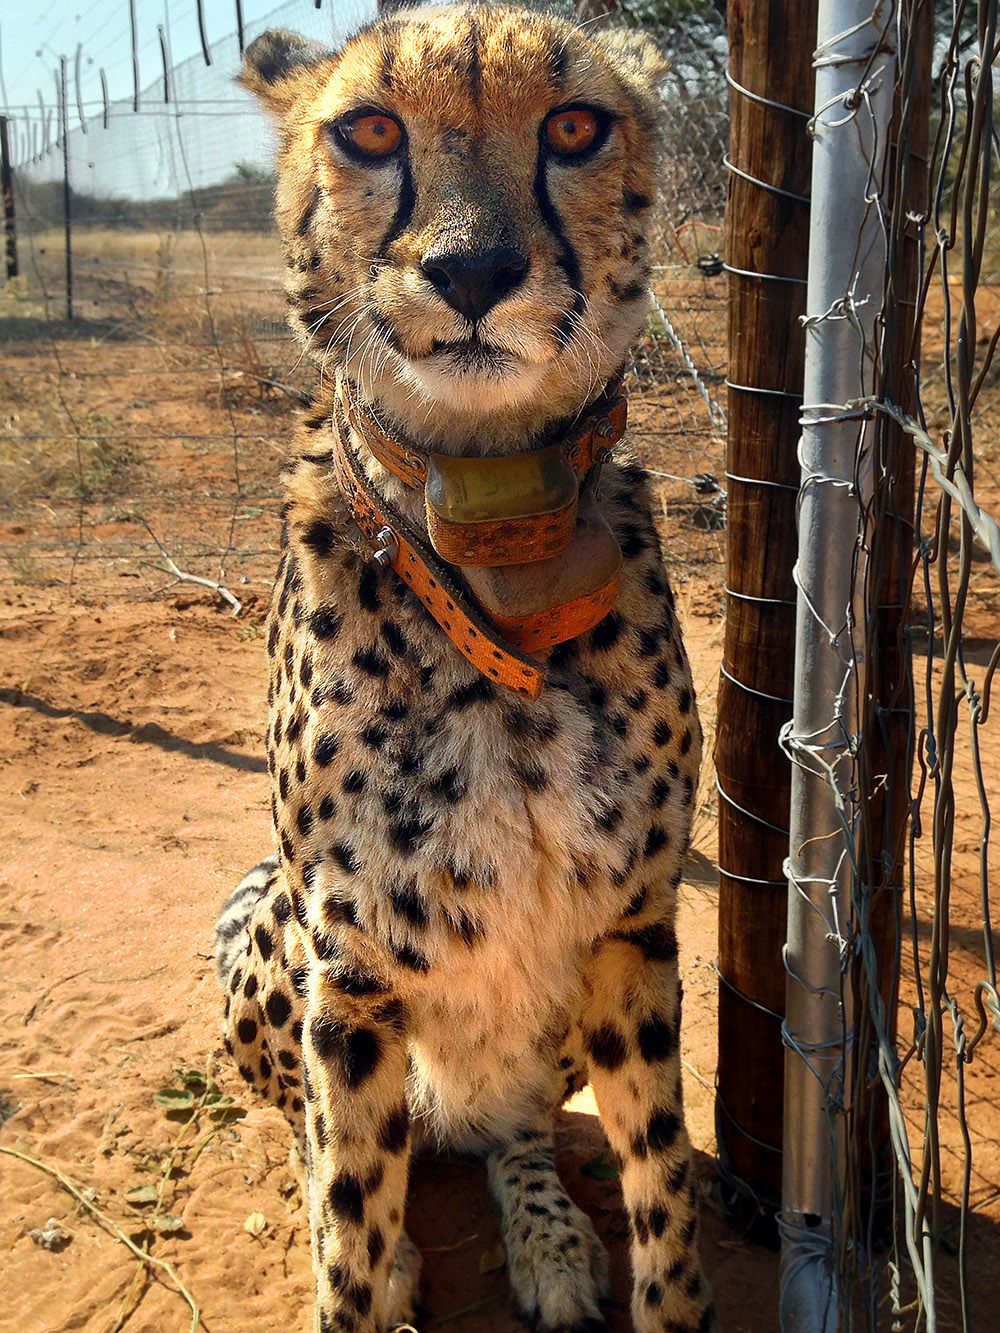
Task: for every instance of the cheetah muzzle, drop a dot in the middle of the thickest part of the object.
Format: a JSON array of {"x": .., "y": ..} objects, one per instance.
[{"x": 471, "y": 908}]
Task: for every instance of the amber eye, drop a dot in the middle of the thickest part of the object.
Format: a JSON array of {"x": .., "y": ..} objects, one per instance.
[
  {"x": 370, "y": 134},
  {"x": 572, "y": 131}
]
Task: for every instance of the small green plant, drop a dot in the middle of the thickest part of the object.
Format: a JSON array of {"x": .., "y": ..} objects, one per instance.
[
  {"x": 192, "y": 1098},
  {"x": 195, "y": 1094}
]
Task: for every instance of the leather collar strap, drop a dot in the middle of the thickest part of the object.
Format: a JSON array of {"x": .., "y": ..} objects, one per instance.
[
  {"x": 600, "y": 430},
  {"x": 428, "y": 576}
]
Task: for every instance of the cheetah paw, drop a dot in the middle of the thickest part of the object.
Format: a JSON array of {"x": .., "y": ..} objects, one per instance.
[
  {"x": 404, "y": 1283},
  {"x": 559, "y": 1273}
]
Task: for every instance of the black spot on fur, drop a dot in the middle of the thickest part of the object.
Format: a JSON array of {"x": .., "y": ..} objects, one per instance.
[
  {"x": 376, "y": 1246},
  {"x": 532, "y": 776},
  {"x": 358, "y": 982},
  {"x": 606, "y": 1047},
  {"x": 407, "y": 831},
  {"x": 346, "y": 857},
  {"x": 278, "y": 1008},
  {"x": 478, "y": 691},
  {"x": 607, "y": 632},
  {"x": 319, "y": 537},
  {"x": 637, "y": 903},
  {"x": 264, "y": 942},
  {"x": 326, "y": 750},
  {"x": 408, "y": 903},
  {"x": 526, "y": 727},
  {"x": 325, "y": 623},
  {"x": 609, "y": 819},
  {"x": 305, "y": 221},
  {"x": 657, "y": 1040},
  {"x": 662, "y": 1130},
  {"x": 246, "y": 1030},
  {"x": 656, "y": 840},
  {"x": 354, "y": 1052},
  {"x": 394, "y": 1131},
  {"x": 658, "y": 943},
  {"x": 346, "y": 1198},
  {"x": 371, "y": 662},
  {"x": 662, "y": 732},
  {"x": 368, "y": 588},
  {"x": 411, "y": 958}
]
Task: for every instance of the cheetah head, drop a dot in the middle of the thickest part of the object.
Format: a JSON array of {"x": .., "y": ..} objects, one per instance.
[{"x": 463, "y": 195}]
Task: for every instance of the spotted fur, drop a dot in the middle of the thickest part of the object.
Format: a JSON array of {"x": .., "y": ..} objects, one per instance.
[{"x": 471, "y": 909}]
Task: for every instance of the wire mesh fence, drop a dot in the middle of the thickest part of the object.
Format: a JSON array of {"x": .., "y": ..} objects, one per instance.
[
  {"x": 905, "y": 746},
  {"x": 145, "y": 401}
]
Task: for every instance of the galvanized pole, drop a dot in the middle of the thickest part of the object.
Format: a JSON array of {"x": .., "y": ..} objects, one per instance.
[{"x": 855, "y": 75}]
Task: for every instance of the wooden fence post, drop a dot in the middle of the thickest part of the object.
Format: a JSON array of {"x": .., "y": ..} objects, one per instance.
[{"x": 767, "y": 223}]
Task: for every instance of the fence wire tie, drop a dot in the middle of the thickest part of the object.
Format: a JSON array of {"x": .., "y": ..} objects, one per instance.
[
  {"x": 841, "y": 309},
  {"x": 834, "y": 932},
  {"x": 987, "y": 1003}
]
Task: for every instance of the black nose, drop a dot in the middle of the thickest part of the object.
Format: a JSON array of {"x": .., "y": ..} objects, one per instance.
[{"x": 473, "y": 281}]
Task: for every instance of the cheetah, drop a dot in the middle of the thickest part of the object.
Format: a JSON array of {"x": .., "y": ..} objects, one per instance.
[{"x": 483, "y": 741}]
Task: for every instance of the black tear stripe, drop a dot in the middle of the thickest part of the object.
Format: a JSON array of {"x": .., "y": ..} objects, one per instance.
[
  {"x": 404, "y": 210},
  {"x": 567, "y": 258},
  {"x": 475, "y": 64},
  {"x": 305, "y": 221}
]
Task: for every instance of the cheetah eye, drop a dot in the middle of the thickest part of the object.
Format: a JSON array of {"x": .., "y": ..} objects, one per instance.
[
  {"x": 574, "y": 130},
  {"x": 369, "y": 135}
]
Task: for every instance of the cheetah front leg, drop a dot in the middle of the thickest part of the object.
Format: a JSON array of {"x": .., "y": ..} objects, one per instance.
[
  {"x": 357, "y": 1148},
  {"x": 631, "y": 1033},
  {"x": 558, "y": 1268}
]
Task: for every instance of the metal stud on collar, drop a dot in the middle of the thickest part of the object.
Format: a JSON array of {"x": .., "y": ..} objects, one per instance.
[{"x": 387, "y": 548}]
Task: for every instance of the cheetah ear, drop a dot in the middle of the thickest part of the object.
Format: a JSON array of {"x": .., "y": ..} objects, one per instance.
[
  {"x": 637, "y": 51},
  {"x": 276, "y": 65}
]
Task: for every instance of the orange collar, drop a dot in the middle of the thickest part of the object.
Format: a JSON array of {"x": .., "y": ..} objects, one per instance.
[{"x": 581, "y": 591}]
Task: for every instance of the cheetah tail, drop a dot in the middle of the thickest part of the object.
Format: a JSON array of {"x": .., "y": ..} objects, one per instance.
[{"x": 231, "y": 927}]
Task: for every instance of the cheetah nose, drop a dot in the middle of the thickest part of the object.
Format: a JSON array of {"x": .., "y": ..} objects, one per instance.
[{"x": 473, "y": 281}]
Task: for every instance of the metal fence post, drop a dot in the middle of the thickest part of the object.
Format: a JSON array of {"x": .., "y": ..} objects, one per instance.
[
  {"x": 7, "y": 187},
  {"x": 855, "y": 79}
]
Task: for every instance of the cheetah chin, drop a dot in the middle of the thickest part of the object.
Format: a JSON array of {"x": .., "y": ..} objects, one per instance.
[{"x": 470, "y": 909}]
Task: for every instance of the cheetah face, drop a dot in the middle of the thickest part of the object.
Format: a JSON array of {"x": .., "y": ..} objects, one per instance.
[{"x": 462, "y": 197}]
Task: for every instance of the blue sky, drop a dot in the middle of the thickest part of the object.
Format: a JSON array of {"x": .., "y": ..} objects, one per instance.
[
  {"x": 57, "y": 27},
  {"x": 196, "y": 140}
]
